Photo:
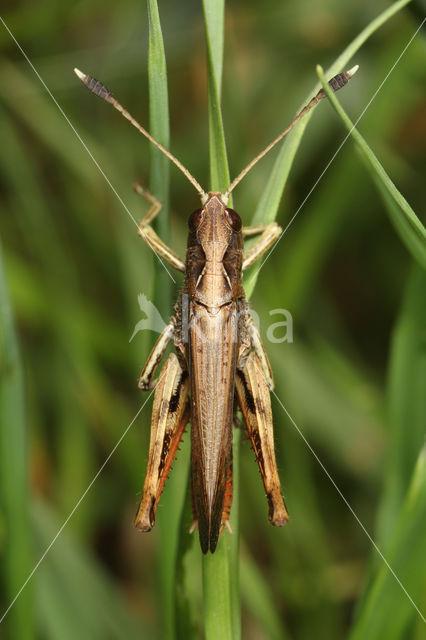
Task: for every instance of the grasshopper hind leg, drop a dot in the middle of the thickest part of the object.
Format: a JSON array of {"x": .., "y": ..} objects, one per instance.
[
  {"x": 170, "y": 415},
  {"x": 255, "y": 403}
]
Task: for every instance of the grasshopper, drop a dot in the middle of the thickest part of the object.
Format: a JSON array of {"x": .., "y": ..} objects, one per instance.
[{"x": 219, "y": 362}]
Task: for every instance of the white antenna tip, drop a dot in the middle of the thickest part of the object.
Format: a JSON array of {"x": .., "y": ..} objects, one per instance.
[
  {"x": 352, "y": 72},
  {"x": 82, "y": 76}
]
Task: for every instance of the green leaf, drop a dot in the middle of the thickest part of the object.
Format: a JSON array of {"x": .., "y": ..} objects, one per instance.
[
  {"x": 393, "y": 602},
  {"x": 172, "y": 498},
  {"x": 405, "y": 221},
  {"x": 160, "y": 129},
  {"x": 188, "y": 594},
  {"x": 268, "y": 204},
  {"x": 406, "y": 402},
  {"x": 214, "y": 19},
  {"x": 406, "y": 417},
  {"x": 257, "y": 598},
  {"x": 220, "y": 570},
  {"x": 15, "y": 541},
  {"x": 269, "y": 201},
  {"x": 73, "y": 592},
  {"x": 39, "y": 109}
]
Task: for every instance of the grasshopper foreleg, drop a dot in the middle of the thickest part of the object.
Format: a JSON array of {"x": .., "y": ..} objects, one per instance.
[
  {"x": 269, "y": 233},
  {"x": 148, "y": 234}
]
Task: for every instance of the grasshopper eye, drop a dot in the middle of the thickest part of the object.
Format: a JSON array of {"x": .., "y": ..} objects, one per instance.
[
  {"x": 233, "y": 219},
  {"x": 195, "y": 219}
]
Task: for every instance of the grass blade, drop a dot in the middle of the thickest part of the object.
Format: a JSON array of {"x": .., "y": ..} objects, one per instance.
[
  {"x": 406, "y": 385},
  {"x": 220, "y": 571},
  {"x": 268, "y": 204},
  {"x": 387, "y": 612},
  {"x": 172, "y": 498},
  {"x": 188, "y": 562},
  {"x": 101, "y": 608},
  {"x": 38, "y": 109},
  {"x": 214, "y": 19},
  {"x": 269, "y": 201},
  {"x": 408, "y": 226},
  {"x": 13, "y": 474},
  {"x": 257, "y": 599},
  {"x": 160, "y": 129}
]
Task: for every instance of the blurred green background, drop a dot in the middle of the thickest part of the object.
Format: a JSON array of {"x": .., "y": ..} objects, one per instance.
[{"x": 353, "y": 379}]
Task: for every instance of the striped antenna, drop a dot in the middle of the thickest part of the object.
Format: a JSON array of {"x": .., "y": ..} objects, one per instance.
[
  {"x": 336, "y": 83},
  {"x": 100, "y": 90}
]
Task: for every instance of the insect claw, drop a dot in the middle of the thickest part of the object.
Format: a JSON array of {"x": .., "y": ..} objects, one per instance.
[
  {"x": 227, "y": 525},
  {"x": 193, "y": 526}
]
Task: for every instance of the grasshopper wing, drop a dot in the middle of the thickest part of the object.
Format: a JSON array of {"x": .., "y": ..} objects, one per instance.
[{"x": 213, "y": 352}]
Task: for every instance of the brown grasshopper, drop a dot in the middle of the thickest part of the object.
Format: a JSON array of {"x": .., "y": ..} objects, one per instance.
[{"x": 219, "y": 352}]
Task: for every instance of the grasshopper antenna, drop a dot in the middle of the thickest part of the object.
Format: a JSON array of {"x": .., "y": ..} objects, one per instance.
[
  {"x": 100, "y": 90},
  {"x": 336, "y": 83}
]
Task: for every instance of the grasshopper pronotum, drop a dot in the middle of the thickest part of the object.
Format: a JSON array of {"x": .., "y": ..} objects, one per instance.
[{"x": 219, "y": 352}]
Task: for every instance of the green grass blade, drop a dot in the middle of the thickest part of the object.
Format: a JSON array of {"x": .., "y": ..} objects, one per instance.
[
  {"x": 257, "y": 599},
  {"x": 221, "y": 573},
  {"x": 35, "y": 111},
  {"x": 407, "y": 417},
  {"x": 220, "y": 570},
  {"x": 73, "y": 592},
  {"x": 187, "y": 609},
  {"x": 408, "y": 226},
  {"x": 14, "y": 501},
  {"x": 214, "y": 19},
  {"x": 269, "y": 201},
  {"x": 160, "y": 170},
  {"x": 268, "y": 204},
  {"x": 387, "y": 611},
  {"x": 160, "y": 129},
  {"x": 217, "y": 577},
  {"x": 407, "y": 408}
]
